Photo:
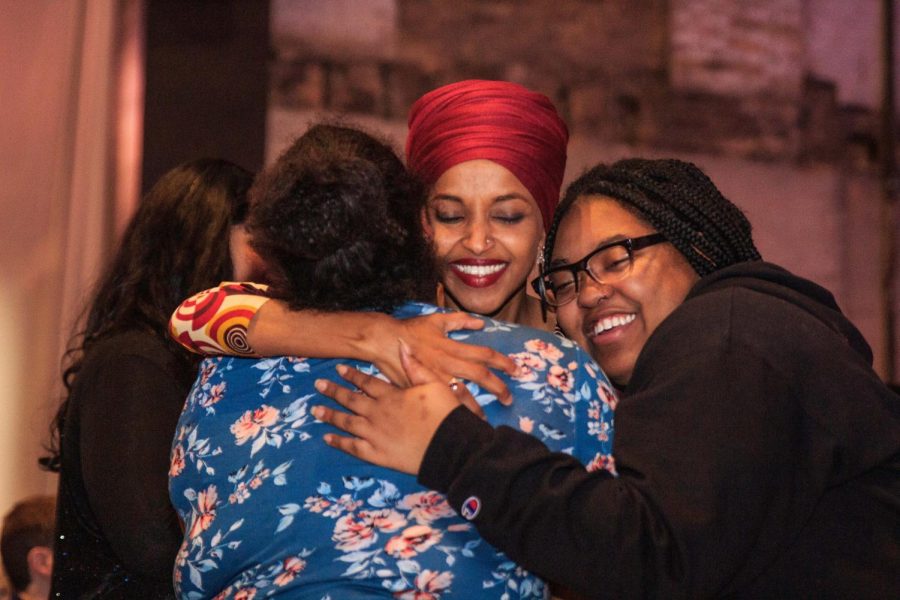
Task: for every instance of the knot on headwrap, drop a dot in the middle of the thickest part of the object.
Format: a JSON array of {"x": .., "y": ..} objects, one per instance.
[{"x": 494, "y": 120}]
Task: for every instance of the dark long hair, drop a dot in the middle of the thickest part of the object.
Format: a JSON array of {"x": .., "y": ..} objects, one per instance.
[
  {"x": 175, "y": 245},
  {"x": 337, "y": 221}
]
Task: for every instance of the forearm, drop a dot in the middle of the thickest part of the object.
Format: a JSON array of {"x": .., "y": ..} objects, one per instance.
[
  {"x": 215, "y": 321},
  {"x": 548, "y": 514},
  {"x": 276, "y": 330},
  {"x": 698, "y": 509},
  {"x": 238, "y": 319}
]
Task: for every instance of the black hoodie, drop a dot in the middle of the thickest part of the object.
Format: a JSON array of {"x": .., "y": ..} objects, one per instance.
[{"x": 758, "y": 457}]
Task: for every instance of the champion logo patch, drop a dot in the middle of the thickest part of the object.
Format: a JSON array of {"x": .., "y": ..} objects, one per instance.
[{"x": 470, "y": 508}]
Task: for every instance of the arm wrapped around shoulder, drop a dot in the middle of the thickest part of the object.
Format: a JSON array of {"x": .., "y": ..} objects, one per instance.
[{"x": 216, "y": 321}]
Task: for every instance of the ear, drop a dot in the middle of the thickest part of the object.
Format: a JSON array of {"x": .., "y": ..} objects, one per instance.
[
  {"x": 427, "y": 228},
  {"x": 535, "y": 268},
  {"x": 40, "y": 562}
]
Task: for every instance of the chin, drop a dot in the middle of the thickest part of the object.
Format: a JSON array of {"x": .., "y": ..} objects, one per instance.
[
  {"x": 487, "y": 309},
  {"x": 619, "y": 374},
  {"x": 478, "y": 303}
]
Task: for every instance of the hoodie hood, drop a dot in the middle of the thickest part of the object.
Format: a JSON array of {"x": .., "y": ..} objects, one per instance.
[{"x": 773, "y": 280}]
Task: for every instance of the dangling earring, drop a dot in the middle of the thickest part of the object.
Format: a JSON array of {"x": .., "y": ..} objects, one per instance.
[{"x": 539, "y": 268}]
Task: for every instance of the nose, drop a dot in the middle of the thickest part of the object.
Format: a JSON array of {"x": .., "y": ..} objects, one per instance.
[
  {"x": 590, "y": 292},
  {"x": 477, "y": 237}
]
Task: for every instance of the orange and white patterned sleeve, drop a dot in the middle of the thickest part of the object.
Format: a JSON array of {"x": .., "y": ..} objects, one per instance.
[{"x": 215, "y": 321}]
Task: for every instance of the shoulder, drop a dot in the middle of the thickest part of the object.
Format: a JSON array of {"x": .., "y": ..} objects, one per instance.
[
  {"x": 136, "y": 342},
  {"x": 511, "y": 337},
  {"x": 138, "y": 350},
  {"x": 753, "y": 318},
  {"x": 778, "y": 326},
  {"x": 539, "y": 352}
]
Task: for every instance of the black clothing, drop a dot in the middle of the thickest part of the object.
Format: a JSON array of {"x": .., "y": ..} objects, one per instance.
[
  {"x": 758, "y": 454},
  {"x": 116, "y": 533}
]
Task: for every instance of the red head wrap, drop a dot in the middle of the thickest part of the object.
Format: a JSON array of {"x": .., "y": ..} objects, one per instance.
[{"x": 495, "y": 120}]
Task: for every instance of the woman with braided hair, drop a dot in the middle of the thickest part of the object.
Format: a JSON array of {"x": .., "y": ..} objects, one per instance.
[{"x": 758, "y": 453}]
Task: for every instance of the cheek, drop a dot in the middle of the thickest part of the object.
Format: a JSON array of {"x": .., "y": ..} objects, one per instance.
[
  {"x": 569, "y": 318},
  {"x": 442, "y": 241},
  {"x": 669, "y": 300},
  {"x": 523, "y": 243},
  {"x": 665, "y": 297}
]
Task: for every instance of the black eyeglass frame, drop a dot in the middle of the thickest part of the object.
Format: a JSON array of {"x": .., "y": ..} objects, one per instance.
[{"x": 631, "y": 246}]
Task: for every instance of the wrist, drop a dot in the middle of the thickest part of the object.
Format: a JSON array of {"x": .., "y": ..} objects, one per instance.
[
  {"x": 375, "y": 331},
  {"x": 459, "y": 436},
  {"x": 253, "y": 325}
]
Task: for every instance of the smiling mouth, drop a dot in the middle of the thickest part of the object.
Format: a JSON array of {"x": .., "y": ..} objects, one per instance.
[
  {"x": 478, "y": 273},
  {"x": 609, "y": 323},
  {"x": 479, "y": 270}
]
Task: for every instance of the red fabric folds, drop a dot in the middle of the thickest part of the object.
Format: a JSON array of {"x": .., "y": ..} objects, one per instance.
[{"x": 494, "y": 120}]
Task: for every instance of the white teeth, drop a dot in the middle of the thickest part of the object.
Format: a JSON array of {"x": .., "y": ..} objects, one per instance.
[
  {"x": 610, "y": 322},
  {"x": 479, "y": 270}
]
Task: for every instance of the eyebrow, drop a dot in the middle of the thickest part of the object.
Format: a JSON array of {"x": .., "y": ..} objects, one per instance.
[
  {"x": 501, "y": 198},
  {"x": 604, "y": 242}
]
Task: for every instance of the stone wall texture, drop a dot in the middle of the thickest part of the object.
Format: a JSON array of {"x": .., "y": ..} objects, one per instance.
[
  {"x": 719, "y": 76},
  {"x": 776, "y": 99}
]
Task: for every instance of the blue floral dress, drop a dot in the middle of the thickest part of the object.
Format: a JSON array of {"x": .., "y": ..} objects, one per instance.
[{"x": 270, "y": 510}]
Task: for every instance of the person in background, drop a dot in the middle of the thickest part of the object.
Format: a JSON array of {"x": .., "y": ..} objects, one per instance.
[
  {"x": 116, "y": 533},
  {"x": 268, "y": 508},
  {"x": 493, "y": 155},
  {"x": 26, "y": 546},
  {"x": 758, "y": 452}
]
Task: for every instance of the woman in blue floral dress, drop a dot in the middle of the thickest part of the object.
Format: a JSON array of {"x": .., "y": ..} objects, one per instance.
[{"x": 268, "y": 508}]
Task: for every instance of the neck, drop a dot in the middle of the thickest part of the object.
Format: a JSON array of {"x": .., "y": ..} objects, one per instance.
[
  {"x": 36, "y": 590},
  {"x": 528, "y": 313},
  {"x": 521, "y": 309}
]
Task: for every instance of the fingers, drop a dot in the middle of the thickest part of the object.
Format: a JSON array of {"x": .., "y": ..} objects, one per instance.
[
  {"x": 481, "y": 375},
  {"x": 361, "y": 449},
  {"x": 371, "y": 386},
  {"x": 344, "y": 421},
  {"x": 420, "y": 374},
  {"x": 501, "y": 362},
  {"x": 353, "y": 401},
  {"x": 481, "y": 355},
  {"x": 459, "y": 320},
  {"x": 417, "y": 372},
  {"x": 462, "y": 394}
]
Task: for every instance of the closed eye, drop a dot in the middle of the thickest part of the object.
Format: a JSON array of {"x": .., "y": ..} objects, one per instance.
[
  {"x": 510, "y": 219},
  {"x": 447, "y": 218}
]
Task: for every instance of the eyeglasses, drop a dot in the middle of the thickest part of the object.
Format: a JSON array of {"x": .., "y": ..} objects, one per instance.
[{"x": 607, "y": 264}]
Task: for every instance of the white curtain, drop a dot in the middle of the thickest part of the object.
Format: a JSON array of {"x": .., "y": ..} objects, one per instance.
[{"x": 70, "y": 103}]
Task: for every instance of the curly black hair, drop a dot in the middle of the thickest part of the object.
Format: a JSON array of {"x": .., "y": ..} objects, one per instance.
[
  {"x": 678, "y": 200},
  {"x": 337, "y": 220}
]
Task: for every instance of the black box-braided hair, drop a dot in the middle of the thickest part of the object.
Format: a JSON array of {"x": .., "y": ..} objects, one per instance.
[{"x": 677, "y": 199}]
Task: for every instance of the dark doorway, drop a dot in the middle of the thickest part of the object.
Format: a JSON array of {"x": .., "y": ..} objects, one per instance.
[{"x": 207, "y": 83}]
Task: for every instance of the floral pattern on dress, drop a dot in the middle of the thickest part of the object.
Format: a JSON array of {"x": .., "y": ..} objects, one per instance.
[{"x": 270, "y": 510}]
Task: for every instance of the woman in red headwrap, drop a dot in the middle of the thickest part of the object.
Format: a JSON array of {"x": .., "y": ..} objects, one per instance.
[{"x": 493, "y": 154}]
